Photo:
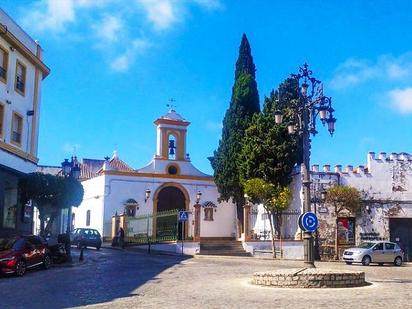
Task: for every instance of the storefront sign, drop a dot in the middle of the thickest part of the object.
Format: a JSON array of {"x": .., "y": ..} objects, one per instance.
[{"x": 370, "y": 236}]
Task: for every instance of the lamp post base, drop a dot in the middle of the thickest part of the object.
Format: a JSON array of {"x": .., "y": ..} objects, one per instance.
[{"x": 309, "y": 260}]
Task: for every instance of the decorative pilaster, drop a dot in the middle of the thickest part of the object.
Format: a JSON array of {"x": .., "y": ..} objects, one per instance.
[
  {"x": 246, "y": 222},
  {"x": 196, "y": 236},
  {"x": 123, "y": 224},
  {"x": 115, "y": 225}
]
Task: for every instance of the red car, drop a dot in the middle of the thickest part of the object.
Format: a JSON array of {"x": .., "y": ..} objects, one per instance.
[{"x": 17, "y": 254}]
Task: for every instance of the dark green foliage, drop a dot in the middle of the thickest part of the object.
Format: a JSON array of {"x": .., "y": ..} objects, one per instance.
[
  {"x": 269, "y": 152},
  {"x": 50, "y": 193},
  {"x": 244, "y": 63},
  {"x": 243, "y": 105},
  {"x": 59, "y": 192}
]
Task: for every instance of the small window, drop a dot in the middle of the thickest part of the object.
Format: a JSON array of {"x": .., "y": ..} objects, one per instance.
[
  {"x": 4, "y": 56},
  {"x": 378, "y": 246},
  {"x": 20, "y": 83},
  {"x": 389, "y": 246},
  {"x": 208, "y": 214},
  {"x": 1, "y": 119},
  {"x": 88, "y": 218},
  {"x": 19, "y": 244},
  {"x": 172, "y": 170},
  {"x": 16, "y": 129}
]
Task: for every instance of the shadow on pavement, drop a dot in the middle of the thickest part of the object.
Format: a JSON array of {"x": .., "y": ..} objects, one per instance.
[{"x": 107, "y": 275}]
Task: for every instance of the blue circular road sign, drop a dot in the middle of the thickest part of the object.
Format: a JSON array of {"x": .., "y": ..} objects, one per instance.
[{"x": 309, "y": 222}]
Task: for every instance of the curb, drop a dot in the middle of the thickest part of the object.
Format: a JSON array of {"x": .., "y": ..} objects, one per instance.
[{"x": 144, "y": 251}]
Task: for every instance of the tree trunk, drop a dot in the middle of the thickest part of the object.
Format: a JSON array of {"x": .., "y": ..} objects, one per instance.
[
  {"x": 278, "y": 224},
  {"x": 270, "y": 215},
  {"x": 336, "y": 239}
]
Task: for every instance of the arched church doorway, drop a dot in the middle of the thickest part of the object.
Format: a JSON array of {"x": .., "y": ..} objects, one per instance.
[{"x": 170, "y": 197}]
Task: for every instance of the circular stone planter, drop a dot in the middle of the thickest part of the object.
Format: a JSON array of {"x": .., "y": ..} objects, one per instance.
[{"x": 310, "y": 278}]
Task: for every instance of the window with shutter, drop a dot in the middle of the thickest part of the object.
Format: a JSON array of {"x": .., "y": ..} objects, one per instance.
[
  {"x": 4, "y": 55},
  {"x": 16, "y": 129},
  {"x": 20, "y": 84}
]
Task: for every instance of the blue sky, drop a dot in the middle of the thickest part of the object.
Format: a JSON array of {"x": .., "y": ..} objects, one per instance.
[{"x": 116, "y": 63}]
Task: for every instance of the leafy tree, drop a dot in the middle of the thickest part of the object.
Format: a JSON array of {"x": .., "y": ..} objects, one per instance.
[
  {"x": 343, "y": 198},
  {"x": 50, "y": 194},
  {"x": 243, "y": 105},
  {"x": 269, "y": 152},
  {"x": 274, "y": 199}
]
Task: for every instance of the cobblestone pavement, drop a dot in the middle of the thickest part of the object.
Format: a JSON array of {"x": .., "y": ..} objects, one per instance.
[{"x": 120, "y": 279}]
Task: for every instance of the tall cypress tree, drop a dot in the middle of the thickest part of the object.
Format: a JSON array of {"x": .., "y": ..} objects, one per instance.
[{"x": 243, "y": 105}]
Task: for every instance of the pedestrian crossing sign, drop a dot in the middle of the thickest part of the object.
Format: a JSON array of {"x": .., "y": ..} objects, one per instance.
[{"x": 183, "y": 216}]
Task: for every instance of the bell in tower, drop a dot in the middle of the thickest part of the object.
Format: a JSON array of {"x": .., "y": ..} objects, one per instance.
[{"x": 172, "y": 148}]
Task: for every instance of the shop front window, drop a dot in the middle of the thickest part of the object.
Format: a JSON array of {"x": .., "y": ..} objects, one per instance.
[
  {"x": 346, "y": 231},
  {"x": 10, "y": 206}
]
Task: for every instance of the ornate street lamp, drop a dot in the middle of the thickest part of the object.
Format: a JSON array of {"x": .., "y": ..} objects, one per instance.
[
  {"x": 198, "y": 197},
  {"x": 70, "y": 169},
  {"x": 147, "y": 193},
  {"x": 311, "y": 103},
  {"x": 247, "y": 199}
]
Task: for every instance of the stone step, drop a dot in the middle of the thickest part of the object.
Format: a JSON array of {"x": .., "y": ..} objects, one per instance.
[
  {"x": 220, "y": 247},
  {"x": 225, "y": 248},
  {"x": 226, "y": 253}
]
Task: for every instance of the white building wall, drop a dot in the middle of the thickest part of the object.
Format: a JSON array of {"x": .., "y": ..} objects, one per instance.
[
  {"x": 112, "y": 192},
  {"x": 289, "y": 229},
  {"x": 14, "y": 102},
  {"x": 93, "y": 200}
]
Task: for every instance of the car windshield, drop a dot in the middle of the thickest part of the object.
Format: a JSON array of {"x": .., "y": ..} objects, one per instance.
[
  {"x": 7, "y": 243},
  {"x": 366, "y": 245}
]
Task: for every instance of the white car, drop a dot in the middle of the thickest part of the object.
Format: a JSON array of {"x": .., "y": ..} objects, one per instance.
[{"x": 379, "y": 252}]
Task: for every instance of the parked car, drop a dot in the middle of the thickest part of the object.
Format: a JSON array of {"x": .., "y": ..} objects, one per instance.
[
  {"x": 19, "y": 253},
  {"x": 83, "y": 238},
  {"x": 379, "y": 252}
]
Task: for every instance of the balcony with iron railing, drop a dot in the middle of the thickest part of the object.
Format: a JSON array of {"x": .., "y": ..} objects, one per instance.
[
  {"x": 16, "y": 137},
  {"x": 19, "y": 84}
]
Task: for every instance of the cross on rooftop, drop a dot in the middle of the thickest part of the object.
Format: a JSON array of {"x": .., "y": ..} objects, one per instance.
[{"x": 171, "y": 105}]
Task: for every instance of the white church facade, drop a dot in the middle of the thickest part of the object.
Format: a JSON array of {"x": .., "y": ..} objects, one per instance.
[
  {"x": 116, "y": 194},
  {"x": 168, "y": 182}
]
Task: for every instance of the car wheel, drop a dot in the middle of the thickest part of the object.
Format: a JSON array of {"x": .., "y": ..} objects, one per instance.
[
  {"x": 398, "y": 261},
  {"x": 98, "y": 248},
  {"x": 380, "y": 264},
  {"x": 349, "y": 263},
  {"x": 20, "y": 268},
  {"x": 46, "y": 261},
  {"x": 366, "y": 260}
]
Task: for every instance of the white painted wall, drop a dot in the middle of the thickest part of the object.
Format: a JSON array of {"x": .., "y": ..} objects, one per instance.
[
  {"x": 93, "y": 200},
  {"x": 113, "y": 191},
  {"x": 14, "y": 102}
]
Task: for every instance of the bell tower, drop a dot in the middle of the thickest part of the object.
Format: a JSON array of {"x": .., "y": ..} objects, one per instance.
[{"x": 171, "y": 137}]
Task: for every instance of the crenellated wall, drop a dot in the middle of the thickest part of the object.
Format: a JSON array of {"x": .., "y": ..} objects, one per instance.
[{"x": 385, "y": 183}]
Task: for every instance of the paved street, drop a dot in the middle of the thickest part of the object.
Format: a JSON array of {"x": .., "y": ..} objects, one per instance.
[{"x": 116, "y": 279}]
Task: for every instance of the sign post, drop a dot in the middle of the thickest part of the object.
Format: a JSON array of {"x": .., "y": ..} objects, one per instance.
[{"x": 182, "y": 217}]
